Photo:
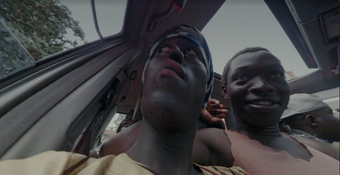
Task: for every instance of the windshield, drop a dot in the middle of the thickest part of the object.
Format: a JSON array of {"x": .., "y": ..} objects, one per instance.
[{"x": 241, "y": 24}]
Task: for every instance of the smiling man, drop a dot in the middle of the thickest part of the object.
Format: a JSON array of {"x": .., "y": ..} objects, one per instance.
[{"x": 253, "y": 80}]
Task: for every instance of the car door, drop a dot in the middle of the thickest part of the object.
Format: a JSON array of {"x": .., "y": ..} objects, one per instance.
[
  {"x": 47, "y": 106},
  {"x": 76, "y": 92}
]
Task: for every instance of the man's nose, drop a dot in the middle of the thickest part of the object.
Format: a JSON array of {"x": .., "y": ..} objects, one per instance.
[
  {"x": 176, "y": 54},
  {"x": 260, "y": 84}
]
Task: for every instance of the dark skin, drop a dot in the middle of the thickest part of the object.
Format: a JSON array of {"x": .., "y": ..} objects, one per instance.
[
  {"x": 259, "y": 94},
  {"x": 320, "y": 146},
  {"x": 213, "y": 113},
  {"x": 166, "y": 135},
  {"x": 320, "y": 123},
  {"x": 210, "y": 149},
  {"x": 121, "y": 142},
  {"x": 141, "y": 138}
]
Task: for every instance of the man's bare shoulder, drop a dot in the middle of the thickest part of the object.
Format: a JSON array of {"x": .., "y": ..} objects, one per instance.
[
  {"x": 217, "y": 143},
  {"x": 212, "y": 135}
]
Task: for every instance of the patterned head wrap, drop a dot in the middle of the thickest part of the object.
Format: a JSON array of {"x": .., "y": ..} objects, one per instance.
[{"x": 193, "y": 34}]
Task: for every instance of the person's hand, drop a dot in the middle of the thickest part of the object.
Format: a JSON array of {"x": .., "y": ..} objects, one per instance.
[{"x": 214, "y": 113}]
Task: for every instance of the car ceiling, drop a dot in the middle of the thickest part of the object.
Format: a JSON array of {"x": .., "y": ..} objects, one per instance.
[{"x": 306, "y": 23}]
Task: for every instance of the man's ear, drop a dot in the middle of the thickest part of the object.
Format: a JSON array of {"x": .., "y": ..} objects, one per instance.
[
  {"x": 312, "y": 121},
  {"x": 224, "y": 92}
]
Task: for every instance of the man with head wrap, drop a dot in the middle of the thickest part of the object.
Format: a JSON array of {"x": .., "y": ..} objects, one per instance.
[
  {"x": 125, "y": 139},
  {"x": 177, "y": 83}
]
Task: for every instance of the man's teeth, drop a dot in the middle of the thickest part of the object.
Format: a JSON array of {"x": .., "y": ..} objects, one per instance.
[{"x": 262, "y": 103}]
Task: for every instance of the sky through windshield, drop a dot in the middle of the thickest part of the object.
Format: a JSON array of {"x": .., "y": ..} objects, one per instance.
[
  {"x": 248, "y": 23},
  {"x": 237, "y": 25}
]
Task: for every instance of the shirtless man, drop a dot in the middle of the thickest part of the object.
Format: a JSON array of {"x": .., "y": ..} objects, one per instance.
[
  {"x": 312, "y": 122},
  {"x": 253, "y": 81}
]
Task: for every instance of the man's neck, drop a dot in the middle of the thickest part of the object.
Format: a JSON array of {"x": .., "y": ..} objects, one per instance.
[
  {"x": 163, "y": 152},
  {"x": 255, "y": 131}
]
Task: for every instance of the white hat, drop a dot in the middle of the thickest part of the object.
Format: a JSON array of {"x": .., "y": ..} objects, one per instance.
[{"x": 301, "y": 103}]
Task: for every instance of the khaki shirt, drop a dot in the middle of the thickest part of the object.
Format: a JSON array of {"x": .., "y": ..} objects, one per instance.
[{"x": 55, "y": 163}]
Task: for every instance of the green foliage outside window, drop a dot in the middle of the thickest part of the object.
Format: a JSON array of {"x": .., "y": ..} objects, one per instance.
[
  {"x": 12, "y": 54},
  {"x": 40, "y": 25}
]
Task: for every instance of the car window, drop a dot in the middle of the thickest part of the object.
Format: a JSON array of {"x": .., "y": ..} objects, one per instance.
[
  {"x": 13, "y": 56},
  {"x": 115, "y": 121},
  {"x": 111, "y": 129},
  {"x": 45, "y": 27}
]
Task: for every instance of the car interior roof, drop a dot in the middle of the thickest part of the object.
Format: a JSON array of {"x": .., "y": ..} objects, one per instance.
[{"x": 304, "y": 21}]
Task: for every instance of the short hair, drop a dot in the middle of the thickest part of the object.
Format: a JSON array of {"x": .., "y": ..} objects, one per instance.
[{"x": 246, "y": 50}]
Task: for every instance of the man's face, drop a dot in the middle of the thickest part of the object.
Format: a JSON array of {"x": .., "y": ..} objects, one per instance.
[
  {"x": 329, "y": 125},
  {"x": 175, "y": 83},
  {"x": 257, "y": 88}
]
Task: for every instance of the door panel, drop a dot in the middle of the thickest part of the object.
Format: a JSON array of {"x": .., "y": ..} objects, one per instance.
[{"x": 52, "y": 108}]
